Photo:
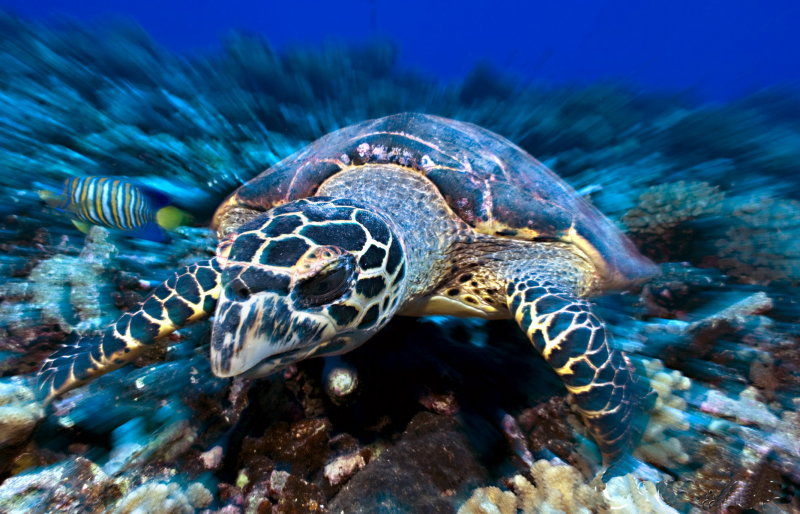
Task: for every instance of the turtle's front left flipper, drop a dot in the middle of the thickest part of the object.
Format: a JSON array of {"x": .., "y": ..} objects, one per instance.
[
  {"x": 573, "y": 341},
  {"x": 187, "y": 296}
]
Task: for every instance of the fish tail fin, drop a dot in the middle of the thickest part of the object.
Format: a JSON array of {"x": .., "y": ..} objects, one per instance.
[
  {"x": 152, "y": 232},
  {"x": 171, "y": 217}
]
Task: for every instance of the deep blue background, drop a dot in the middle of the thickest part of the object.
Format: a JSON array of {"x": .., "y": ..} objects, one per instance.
[{"x": 718, "y": 49}]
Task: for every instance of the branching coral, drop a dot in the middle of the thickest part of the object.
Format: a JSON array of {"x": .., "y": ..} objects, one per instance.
[
  {"x": 558, "y": 488},
  {"x": 668, "y": 413},
  {"x": 490, "y": 500},
  {"x": 561, "y": 488}
]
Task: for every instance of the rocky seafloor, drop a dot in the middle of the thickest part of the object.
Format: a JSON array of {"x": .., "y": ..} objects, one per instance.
[{"x": 434, "y": 414}]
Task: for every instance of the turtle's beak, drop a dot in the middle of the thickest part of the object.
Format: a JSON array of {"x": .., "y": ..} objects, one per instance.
[{"x": 261, "y": 335}]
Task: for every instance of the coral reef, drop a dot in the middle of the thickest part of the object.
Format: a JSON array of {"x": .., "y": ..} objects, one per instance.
[{"x": 431, "y": 411}]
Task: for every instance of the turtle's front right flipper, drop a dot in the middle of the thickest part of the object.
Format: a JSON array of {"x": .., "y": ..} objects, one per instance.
[
  {"x": 187, "y": 296},
  {"x": 573, "y": 341}
]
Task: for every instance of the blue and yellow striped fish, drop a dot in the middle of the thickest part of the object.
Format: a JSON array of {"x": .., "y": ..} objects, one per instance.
[{"x": 111, "y": 202}]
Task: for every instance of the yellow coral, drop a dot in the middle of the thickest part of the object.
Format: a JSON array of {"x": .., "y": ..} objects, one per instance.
[
  {"x": 490, "y": 500},
  {"x": 559, "y": 488}
]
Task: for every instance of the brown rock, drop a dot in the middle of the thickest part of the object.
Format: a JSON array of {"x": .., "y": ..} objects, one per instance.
[
  {"x": 303, "y": 444},
  {"x": 429, "y": 470}
]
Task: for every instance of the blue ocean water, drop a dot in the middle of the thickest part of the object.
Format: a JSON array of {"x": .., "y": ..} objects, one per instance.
[
  {"x": 716, "y": 49},
  {"x": 679, "y": 121}
]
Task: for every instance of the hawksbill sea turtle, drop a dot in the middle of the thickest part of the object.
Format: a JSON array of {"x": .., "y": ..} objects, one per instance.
[{"x": 410, "y": 214}]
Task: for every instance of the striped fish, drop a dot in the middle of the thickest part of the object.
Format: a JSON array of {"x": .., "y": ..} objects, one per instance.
[{"x": 111, "y": 202}]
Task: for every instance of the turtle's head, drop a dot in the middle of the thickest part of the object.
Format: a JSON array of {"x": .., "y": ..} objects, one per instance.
[{"x": 313, "y": 277}]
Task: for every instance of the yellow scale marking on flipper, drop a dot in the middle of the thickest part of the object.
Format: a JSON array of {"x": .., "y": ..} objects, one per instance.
[{"x": 58, "y": 374}]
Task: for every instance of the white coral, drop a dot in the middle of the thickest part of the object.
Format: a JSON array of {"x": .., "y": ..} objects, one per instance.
[{"x": 625, "y": 495}]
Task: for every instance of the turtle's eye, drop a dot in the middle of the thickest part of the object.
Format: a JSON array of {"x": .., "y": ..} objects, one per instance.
[
  {"x": 242, "y": 293},
  {"x": 327, "y": 285},
  {"x": 239, "y": 290}
]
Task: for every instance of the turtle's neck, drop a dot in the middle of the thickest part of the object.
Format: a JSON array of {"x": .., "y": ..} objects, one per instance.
[{"x": 419, "y": 215}]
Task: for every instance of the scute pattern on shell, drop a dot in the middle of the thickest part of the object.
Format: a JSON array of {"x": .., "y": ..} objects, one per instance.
[{"x": 492, "y": 184}]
